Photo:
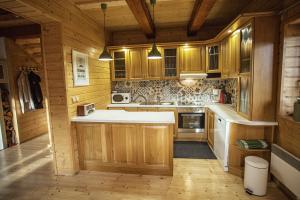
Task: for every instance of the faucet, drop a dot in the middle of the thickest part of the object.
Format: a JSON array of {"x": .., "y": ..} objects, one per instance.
[
  {"x": 140, "y": 96},
  {"x": 158, "y": 99}
]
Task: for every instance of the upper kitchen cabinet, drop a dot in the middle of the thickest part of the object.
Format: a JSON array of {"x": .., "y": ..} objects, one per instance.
[
  {"x": 230, "y": 55},
  {"x": 137, "y": 67},
  {"x": 213, "y": 58},
  {"x": 192, "y": 59},
  {"x": 170, "y": 62},
  {"x": 225, "y": 58},
  {"x": 154, "y": 66},
  {"x": 119, "y": 65},
  {"x": 246, "y": 49},
  {"x": 258, "y": 74}
]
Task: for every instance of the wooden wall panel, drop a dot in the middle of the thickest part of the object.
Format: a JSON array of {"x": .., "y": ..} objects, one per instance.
[
  {"x": 58, "y": 52},
  {"x": 266, "y": 36},
  {"x": 55, "y": 72},
  {"x": 288, "y": 132},
  {"x": 99, "y": 90},
  {"x": 289, "y": 135},
  {"x": 290, "y": 84},
  {"x": 66, "y": 27},
  {"x": 34, "y": 123}
]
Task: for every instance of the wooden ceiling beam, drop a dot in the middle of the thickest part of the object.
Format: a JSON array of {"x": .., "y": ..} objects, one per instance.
[
  {"x": 95, "y": 4},
  {"x": 200, "y": 12},
  {"x": 143, "y": 17},
  {"x": 20, "y": 31}
]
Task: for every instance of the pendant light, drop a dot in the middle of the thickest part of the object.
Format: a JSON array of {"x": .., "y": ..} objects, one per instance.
[
  {"x": 104, "y": 56},
  {"x": 154, "y": 53}
]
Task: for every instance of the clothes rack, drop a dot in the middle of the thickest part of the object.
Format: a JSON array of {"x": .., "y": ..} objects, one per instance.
[{"x": 28, "y": 68}]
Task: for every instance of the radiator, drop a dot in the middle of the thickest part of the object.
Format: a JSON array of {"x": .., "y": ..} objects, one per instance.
[{"x": 285, "y": 167}]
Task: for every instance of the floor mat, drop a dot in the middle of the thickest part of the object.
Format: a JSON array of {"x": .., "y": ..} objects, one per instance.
[{"x": 192, "y": 149}]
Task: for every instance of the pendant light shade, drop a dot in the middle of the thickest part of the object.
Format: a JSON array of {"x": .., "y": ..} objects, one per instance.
[
  {"x": 154, "y": 53},
  {"x": 104, "y": 56}
]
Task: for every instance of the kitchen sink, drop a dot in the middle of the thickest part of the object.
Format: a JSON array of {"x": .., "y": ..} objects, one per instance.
[{"x": 157, "y": 103}]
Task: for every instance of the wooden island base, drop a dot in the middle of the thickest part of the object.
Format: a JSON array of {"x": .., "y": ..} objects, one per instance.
[{"x": 126, "y": 148}]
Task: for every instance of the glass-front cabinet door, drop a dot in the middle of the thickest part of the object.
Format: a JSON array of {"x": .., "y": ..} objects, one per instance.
[
  {"x": 170, "y": 63},
  {"x": 213, "y": 64},
  {"x": 246, "y": 49},
  {"x": 244, "y": 96},
  {"x": 119, "y": 65}
]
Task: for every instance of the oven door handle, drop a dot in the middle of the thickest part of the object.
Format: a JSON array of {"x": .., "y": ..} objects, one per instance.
[{"x": 188, "y": 115}]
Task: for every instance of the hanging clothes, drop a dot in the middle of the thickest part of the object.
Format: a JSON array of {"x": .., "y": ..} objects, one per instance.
[
  {"x": 25, "y": 96},
  {"x": 8, "y": 118},
  {"x": 35, "y": 88}
]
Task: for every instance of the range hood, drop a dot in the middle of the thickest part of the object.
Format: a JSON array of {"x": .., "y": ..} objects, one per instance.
[
  {"x": 192, "y": 75},
  {"x": 197, "y": 76}
]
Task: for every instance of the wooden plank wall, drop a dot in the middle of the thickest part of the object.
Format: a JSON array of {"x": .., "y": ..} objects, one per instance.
[
  {"x": 34, "y": 123},
  {"x": 66, "y": 27},
  {"x": 288, "y": 131},
  {"x": 55, "y": 74},
  {"x": 59, "y": 41},
  {"x": 99, "y": 90},
  {"x": 291, "y": 69}
]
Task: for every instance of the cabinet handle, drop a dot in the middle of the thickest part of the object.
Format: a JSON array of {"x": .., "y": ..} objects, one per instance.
[{"x": 219, "y": 120}]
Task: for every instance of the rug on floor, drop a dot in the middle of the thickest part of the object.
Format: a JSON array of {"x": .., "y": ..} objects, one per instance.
[{"x": 192, "y": 149}]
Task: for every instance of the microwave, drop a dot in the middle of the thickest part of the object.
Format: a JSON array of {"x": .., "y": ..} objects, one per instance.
[{"x": 120, "y": 98}]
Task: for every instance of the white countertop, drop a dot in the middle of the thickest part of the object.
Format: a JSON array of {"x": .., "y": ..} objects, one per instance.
[
  {"x": 122, "y": 116},
  {"x": 133, "y": 105},
  {"x": 231, "y": 116},
  {"x": 224, "y": 111}
]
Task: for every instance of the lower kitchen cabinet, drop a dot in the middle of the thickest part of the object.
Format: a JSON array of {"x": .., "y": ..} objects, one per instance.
[
  {"x": 210, "y": 127},
  {"x": 176, "y": 117},
  {"x": 126, "y": 148},
  {"x": 147, "y": 109},
  {"x": 152, "y": 109},
  {"x": 236, "y": 155}
]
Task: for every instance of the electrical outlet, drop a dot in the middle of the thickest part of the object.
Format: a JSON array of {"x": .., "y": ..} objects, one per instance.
[{"x": 73, "y": 99}]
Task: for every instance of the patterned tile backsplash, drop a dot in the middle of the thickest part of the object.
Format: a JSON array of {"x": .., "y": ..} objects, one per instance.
[{"x": 174, "y": 90}]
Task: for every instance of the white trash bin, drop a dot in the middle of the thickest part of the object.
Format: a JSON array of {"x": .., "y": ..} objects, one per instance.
[{"x": 256, "y": 175}]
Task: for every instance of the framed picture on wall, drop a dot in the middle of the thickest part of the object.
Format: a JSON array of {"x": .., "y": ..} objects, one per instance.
[{"x": 80, "y": 68}]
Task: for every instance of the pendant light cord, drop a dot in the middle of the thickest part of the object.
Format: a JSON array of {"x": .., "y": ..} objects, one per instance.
[
  {"x": 104, "y": 25},
  {"x": 153, "y": 4}
]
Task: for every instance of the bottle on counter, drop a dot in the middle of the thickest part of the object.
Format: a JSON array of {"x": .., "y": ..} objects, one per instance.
[
  {"x": 296, "y": 114},
  {"x": 222, "y": 94}
]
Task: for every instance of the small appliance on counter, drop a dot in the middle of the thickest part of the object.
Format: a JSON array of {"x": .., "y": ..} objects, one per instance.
[
  {"x": 85, "y": 109},
  {"x": 216, "y": 95},
  {"x": 120, "y": 97}
]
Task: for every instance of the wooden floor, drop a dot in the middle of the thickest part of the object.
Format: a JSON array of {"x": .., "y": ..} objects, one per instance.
[{"x": 26, "y": 172}]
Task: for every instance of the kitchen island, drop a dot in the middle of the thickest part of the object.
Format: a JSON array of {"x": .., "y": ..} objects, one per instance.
[{"x": 127, "y": 142}]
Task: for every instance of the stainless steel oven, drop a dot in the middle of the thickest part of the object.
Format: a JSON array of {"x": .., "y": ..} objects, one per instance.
[{"x": 191, "y": 120}]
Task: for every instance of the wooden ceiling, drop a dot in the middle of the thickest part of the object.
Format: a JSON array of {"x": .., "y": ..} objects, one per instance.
[
  {"x": 8, "y": 19},
  {"x": 177, "y": 13},
  {"x": 14, "y": 26}
]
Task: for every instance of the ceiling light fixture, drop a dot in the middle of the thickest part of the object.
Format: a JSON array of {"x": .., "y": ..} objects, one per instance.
[
  {"x": 104, "y": 56},
  {"x": 154, "y": 53}
]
